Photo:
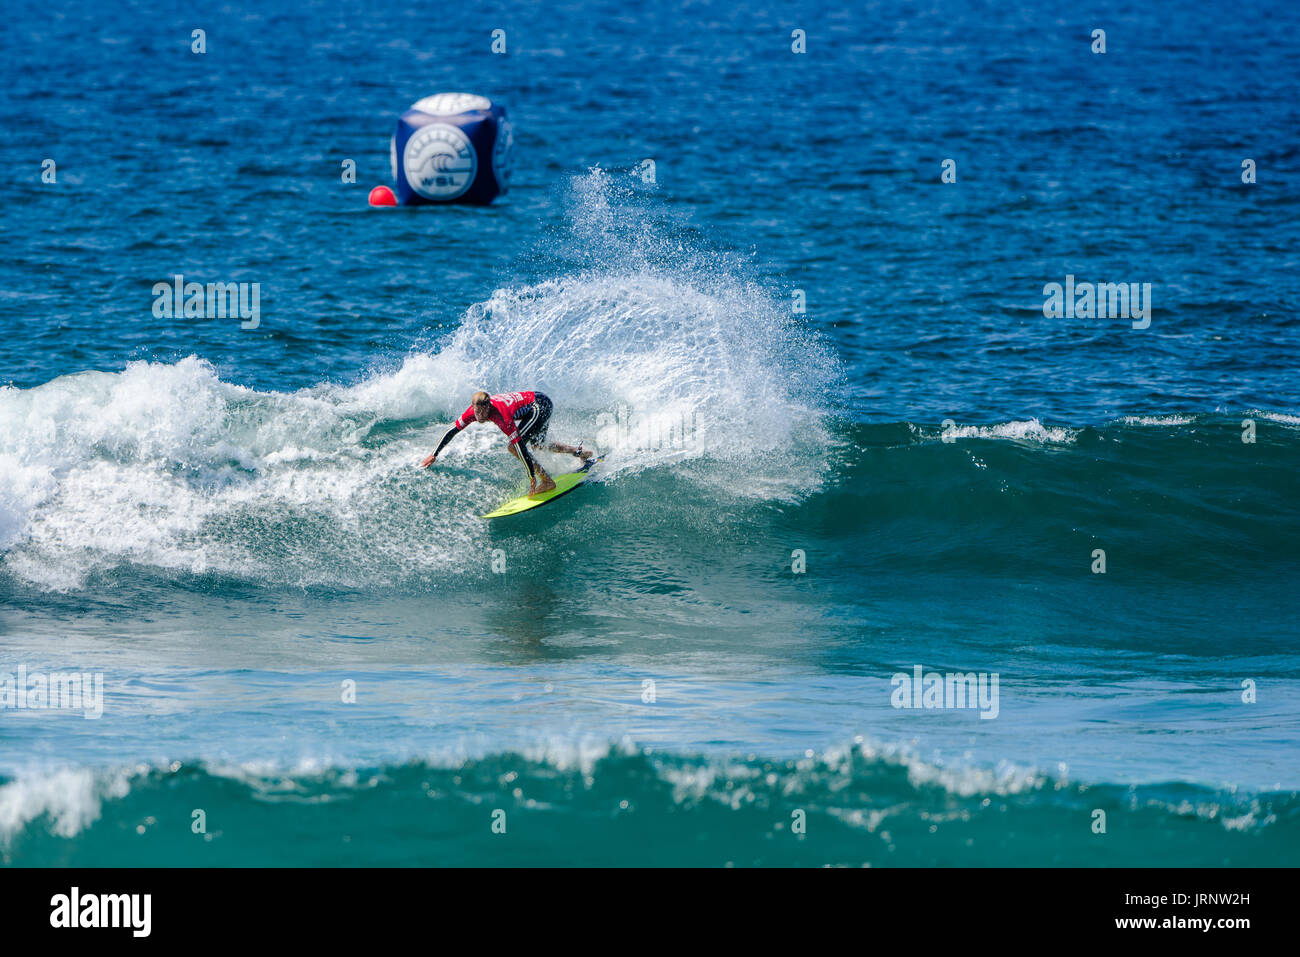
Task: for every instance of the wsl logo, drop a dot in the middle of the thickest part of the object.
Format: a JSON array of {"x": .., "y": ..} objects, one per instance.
[
  {"x": 440, "y": 162},
  {"x": 451, "y": 148}
]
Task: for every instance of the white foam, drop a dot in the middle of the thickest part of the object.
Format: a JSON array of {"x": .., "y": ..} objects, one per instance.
[
  {"x": 1029, "y": 430},
  {"x": 72, "y": 799},
  {"x": 1282, "y": 418},
  {"x": 163, "y": 464},
  {"x": 1159, "y": 420}
]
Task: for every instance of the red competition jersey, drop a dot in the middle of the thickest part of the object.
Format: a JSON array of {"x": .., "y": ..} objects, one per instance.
[{"x": 503, "y": 411}]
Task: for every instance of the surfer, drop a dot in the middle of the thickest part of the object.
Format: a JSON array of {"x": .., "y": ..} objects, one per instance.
[{"x": 523, "y": 417}]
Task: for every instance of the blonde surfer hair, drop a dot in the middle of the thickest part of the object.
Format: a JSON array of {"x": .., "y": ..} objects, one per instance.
[{"x": 481, "y": 399}]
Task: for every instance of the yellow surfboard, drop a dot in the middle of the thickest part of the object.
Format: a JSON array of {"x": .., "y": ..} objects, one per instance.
[{"x": 563, "y": 483}]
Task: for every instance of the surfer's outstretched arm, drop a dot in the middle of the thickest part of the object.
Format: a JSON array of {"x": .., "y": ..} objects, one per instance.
[
  {"x": 465, "y": 418},
  {"x": 446, "y": 437},
  {"x": 472, "y": 414}
]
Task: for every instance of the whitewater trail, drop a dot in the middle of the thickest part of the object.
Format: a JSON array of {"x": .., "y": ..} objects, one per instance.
[{"x": 167, "y": 466}]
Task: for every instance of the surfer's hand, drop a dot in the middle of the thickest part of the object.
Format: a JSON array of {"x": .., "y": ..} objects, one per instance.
[{"x": 429, "y": 461}]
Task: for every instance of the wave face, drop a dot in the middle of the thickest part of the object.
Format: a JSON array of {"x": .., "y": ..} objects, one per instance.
[
  {"x": 167, "y": 467},
  {"x": 1175, "y": 498},
  {"x": 626, "y": 807},
  {"x": 167, "y": 470}
]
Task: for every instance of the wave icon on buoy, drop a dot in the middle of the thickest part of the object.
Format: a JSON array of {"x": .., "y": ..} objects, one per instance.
[{"x": 449, "y": 148}]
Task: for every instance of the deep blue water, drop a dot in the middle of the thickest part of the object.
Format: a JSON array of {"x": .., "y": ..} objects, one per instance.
[{"x": 228, "y": 523}]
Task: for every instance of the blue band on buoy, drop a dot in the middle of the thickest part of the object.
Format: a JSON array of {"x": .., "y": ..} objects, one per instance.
[{"x": 452, "y": 148}]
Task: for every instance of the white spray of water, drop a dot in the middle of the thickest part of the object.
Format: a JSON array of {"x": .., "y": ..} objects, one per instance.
[{"x": 666, "y": 363}]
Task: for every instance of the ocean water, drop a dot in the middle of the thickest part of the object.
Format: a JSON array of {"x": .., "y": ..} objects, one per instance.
[{"x": 312, "y": 652}]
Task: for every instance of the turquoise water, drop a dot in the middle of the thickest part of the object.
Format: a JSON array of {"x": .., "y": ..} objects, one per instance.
[{"x": 691, "y": 659}]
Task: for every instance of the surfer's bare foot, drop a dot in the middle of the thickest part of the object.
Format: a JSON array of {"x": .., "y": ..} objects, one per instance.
[{"x": 546, "y": 485}]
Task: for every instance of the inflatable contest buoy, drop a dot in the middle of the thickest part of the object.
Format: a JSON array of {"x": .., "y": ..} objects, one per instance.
[{"x": 449, "y": 148}]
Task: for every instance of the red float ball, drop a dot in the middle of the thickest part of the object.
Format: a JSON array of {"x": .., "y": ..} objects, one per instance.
[{"x": 382, "y": 196}]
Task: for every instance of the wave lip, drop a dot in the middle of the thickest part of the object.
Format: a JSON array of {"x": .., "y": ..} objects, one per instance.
[
  {"x": 1282, "y": 418},
  {"x": 625, "y": 805},
  {"x": 1020, "y": 430},
  {"x": 1159, "y": 420}
]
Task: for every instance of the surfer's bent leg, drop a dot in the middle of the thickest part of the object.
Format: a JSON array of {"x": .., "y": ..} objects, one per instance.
[
  {"x": 532, "y": 423},
  {"x": 537, "y": 421},
  {"x": 534, "y": 419},
  {"x": 530, "y": 463},
  {"x": 538, "y": 480}
]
